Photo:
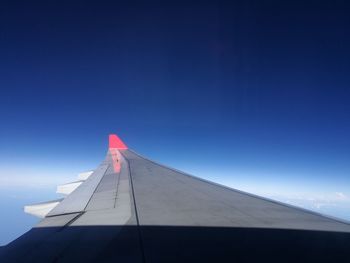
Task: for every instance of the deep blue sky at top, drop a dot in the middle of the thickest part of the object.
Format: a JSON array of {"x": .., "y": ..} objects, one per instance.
[{"x": 254, "y": 85}]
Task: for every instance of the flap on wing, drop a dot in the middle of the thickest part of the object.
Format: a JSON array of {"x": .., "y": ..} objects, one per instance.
[
  {"x": 85, "y": 175},
  {"x": 41, "y": 209},
  {"x": 68, "y": 188}
]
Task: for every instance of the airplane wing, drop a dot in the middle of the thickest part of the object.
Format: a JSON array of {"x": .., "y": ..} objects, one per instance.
[{"x": 132, "y": 209}]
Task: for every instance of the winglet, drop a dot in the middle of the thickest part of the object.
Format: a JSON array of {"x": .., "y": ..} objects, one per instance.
[{"x": 116, "y": 143}]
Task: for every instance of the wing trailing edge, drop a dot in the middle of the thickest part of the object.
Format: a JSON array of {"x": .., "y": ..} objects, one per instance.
[
  {"x": 41, "y": 209},
  {"x": 85, "y": 175},
  {"x": 68, "y": 188}
]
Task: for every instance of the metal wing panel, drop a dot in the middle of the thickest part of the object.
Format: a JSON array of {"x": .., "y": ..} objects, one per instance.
[
  {"x": 78, "y": 200},
  {"x": 169, "y": 197}
]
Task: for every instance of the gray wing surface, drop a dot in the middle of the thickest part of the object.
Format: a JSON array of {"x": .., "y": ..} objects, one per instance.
[{"x": 132, "y": 209}]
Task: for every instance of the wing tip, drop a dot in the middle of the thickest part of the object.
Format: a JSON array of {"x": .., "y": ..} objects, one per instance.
[{"x": 116, "y": 143}]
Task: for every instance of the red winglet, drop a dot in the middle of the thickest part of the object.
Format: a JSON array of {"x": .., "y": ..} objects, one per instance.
[{"x": 116, "y": 143}]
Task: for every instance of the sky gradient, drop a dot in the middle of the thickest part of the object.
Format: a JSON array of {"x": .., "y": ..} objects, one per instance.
[{"x": 251, "y": 94}]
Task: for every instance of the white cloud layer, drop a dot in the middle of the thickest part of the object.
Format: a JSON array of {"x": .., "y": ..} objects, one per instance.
[
  {"x": 35, "y": 178},
  {"x": 323, "y": 199}
]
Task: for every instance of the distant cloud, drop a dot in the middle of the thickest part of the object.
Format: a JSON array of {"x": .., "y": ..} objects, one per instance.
[
  {"x": 29, "y": 181},
  {"x": 333, "y": 203},
  {"x": 317, "y": 200},
  {"x": 342, "y": 196},
  {"x": 21, "y": 178},
  {"x": 336, "y": 204}
]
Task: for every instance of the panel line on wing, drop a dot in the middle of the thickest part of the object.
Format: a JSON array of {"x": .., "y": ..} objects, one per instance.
[{"x": 135, "y": 207}]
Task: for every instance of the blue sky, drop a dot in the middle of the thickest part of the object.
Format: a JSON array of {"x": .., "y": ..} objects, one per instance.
[{"x": 252, "y": 95}]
